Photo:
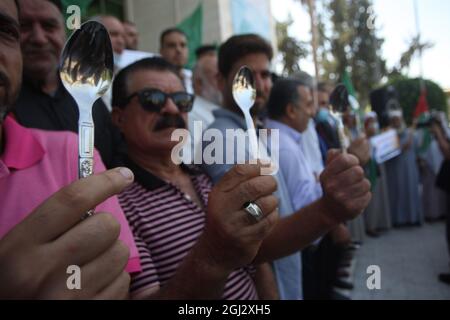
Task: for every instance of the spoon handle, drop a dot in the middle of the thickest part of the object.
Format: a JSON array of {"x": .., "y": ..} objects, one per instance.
[
  {"x": 85, "y": 145},
  {"x": 343, "y": 139},
  {"x": 253, "y": 139}
]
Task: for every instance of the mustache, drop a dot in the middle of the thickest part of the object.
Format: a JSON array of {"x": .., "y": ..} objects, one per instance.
[
  {"x": 32, "y": 49},
  {"x": 165, "y": 122},
  {"x": 259, "y": 94}
]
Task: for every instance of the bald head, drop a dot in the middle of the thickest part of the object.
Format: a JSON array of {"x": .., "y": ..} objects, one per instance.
[
  {"x": 116, "y": 32},
  {"x": 205, "y": 79}
]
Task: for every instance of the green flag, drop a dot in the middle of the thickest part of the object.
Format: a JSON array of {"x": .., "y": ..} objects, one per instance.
[
  {"x": 193, "y": 27},
  {"x": 347, "y": 81},
  {"x": 82, "y": 4}
]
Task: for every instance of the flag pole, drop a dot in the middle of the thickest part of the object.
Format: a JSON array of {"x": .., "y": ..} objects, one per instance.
[{"x": 416, "y": 16}]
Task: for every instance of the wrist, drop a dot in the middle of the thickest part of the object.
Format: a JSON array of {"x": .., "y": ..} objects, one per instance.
[
  {"x": 328, "y": 213},
  {"x": 205, "y": 253}
]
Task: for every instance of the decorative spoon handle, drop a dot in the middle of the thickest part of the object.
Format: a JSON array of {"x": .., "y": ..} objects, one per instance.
[{"x": 85, "y": 144}]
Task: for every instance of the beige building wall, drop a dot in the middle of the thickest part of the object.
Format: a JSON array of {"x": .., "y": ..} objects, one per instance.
[{"x": 153, "y": 16}]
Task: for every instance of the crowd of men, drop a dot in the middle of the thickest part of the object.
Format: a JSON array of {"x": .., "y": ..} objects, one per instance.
[{"x": 170, "y": 230}]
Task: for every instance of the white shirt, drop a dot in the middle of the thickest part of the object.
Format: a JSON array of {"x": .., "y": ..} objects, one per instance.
[
  {"x": 311, "y": 147},
  {"x": 187, "y": 79},
  {"x": 202, "y": 111}
]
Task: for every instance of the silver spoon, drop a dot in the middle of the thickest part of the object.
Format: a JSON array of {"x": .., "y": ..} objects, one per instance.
[
  {"x": 244, "y": 93},
  {"x": 86, "y": 71},
  {"x": 340, "y": 104}
]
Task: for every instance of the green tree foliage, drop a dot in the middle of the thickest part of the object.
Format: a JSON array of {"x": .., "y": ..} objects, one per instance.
[
  {"x": 409, "y": 91},
  {"x": 355, "y": 46},
  {"x": 416, "y": 46},
  {"x": 291, "y": 49}
]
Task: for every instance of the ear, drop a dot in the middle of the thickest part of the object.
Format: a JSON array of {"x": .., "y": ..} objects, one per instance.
[
  {"x": 221, "y": 82},
  {"x": 198, "y": 85},
  {"x": 117, "y": 117},
  {"x": 290, "y": 111}
]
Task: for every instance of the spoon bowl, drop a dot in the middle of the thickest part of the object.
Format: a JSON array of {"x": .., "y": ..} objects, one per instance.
[{"x": 244, "y": 94}]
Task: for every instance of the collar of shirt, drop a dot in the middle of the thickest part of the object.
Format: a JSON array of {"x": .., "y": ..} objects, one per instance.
[
  {"x": 22, "y": 149},
  {"x": 152, "y": 182},
  {"x": 294, "y": 134},
  {"x": 235, "y": 117}
]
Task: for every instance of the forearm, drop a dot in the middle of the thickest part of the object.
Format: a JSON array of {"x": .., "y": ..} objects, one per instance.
[
  {"x": 265, "y": 282},
  {"x": 296, "y": 232},
  {"x": 199, "y": 277}
]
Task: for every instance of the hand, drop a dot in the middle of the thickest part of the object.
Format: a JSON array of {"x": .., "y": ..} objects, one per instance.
[
  {"x": 346, "y": 190},
  {"x": 341, "y": 236},
  {"x": 35, "y": 255},
  {"x": 231, "y": 235},
  {"x": 360, "y": 148}
]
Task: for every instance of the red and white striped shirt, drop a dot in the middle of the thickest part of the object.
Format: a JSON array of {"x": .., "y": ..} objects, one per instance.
[{"x": 166, "y": 225}]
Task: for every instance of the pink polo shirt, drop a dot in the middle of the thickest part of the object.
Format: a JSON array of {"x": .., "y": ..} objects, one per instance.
[{"x": 34, "y": 165}]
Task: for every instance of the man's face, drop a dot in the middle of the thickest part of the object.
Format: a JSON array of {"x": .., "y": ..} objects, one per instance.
[
  {"x": 10, "y": 56},
  {"x": 206, "y": 85},
  {"x": 304, "y": 110},
  {"x": 396, "y": 122},
  {"x": 174, "y": 49},
  {"x": 150, "y": 132},
  {"x": 260, "y": 65},
  {"x": 42, "y": 37},
  {"x": 371, "y": 127},
  {"x": 131, "y": 36},
  {"x": 116, "y": 33},
  {"x": 324, "y": 99},
  {"x": 349, "y": 119}
]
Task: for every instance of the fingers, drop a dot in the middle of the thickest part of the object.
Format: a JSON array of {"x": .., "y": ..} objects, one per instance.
[
  {"x": 237, "y": 175},
  {"x": 346, "y": 178},
  {"x": 117, "y": 290},
  {"x": 337, "y": 163},
  {"x": 100, "y": 273},
  {"x": 66, "y": 208},
  {"x": 267, "y": 205},
  {"x": 262, "y": 229},
  {"x": 251, "y": 190},
  {"x": 354, "y": 191},
  {"x": 332, "y": 154},
  {"x": 87, "y": 240}
]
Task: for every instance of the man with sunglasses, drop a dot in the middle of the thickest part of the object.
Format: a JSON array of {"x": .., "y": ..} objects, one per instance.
[
  {"x": 194, "y": 242},
  {"x": 346, "y": 191}
]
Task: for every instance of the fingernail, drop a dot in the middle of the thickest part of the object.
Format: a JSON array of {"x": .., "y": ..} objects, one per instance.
[{"x": 126, "y": 173}]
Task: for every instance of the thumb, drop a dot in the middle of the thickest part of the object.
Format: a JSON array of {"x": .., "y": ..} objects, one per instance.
[{"x": 332, "y": 154}]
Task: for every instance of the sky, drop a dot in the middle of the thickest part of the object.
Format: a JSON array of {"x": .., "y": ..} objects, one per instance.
[{"x": 396, "y": 24}]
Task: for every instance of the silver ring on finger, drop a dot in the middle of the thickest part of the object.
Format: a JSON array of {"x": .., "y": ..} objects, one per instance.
[{"x": 254, "y": 210}]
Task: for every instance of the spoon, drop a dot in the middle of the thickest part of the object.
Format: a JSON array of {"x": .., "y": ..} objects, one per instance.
[
  {"x": 244, "y": 93},
  {"x": 339, "y": 100},
  {"x": 86, "y": 71}
]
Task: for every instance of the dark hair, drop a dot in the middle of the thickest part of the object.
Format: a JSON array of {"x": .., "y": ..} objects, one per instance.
[
  {"x": 239, "y": 46},
  {"x": 200, "y": 51},
  {"x": 119, "y": 90},
  {"x": 166, "y": 32},
  {"x": 323, "y": 87},
  {"x": 284, "y": 91}
]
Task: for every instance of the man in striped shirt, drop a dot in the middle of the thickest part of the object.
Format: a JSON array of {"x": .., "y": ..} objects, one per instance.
[
  {"x": 189, "y": 247},
  {"x": 196, "y": 242}
]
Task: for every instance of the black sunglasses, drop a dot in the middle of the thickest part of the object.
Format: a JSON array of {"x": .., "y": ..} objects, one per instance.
[{"x": 153, "y": 100}]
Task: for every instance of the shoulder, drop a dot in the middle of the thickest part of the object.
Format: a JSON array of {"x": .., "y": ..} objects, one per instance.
[{"x": 56, "y": 140}]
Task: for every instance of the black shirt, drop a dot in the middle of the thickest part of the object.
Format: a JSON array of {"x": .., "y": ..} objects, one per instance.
[{"x": 36, "y": 109}]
